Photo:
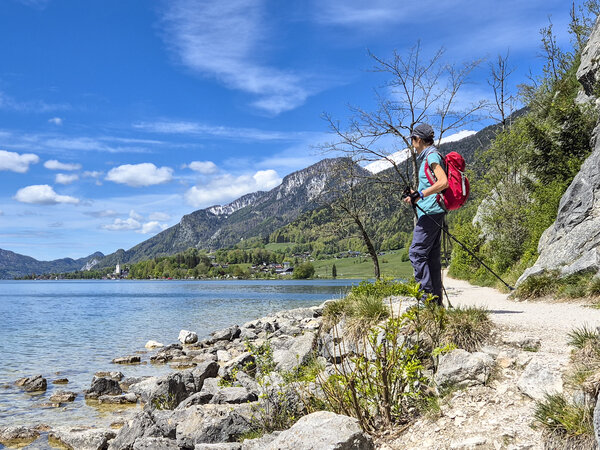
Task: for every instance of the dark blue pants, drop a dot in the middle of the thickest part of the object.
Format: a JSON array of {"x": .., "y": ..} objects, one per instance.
[{"x": 425, "y": 254}]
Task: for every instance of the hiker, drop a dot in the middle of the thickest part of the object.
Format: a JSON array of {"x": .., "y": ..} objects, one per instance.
[{"x": 425, "y": 250}]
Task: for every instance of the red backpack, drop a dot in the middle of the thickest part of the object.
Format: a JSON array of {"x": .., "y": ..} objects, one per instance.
[{"x": 457, "y": 192}]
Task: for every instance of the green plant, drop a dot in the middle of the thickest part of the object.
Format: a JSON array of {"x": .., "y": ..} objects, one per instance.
[
  {"x": 593, "y": 288},
  {"x": 263, "y": 359},
  {"x": 167, "y": 401},
  {"x": 564, "y": 422},
  {"x": 306, "y": 372},
  {"x": 538, "y": 286},
  {"x": 583, "y": 337},
  {"x": 467, "y": 328}
]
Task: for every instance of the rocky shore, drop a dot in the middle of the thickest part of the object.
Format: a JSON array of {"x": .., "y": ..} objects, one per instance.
[{"x": 213, "y": 399}]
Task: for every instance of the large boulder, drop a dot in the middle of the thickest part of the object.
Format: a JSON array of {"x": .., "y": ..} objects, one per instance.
[
  {"x": 212, "y": 423},
  {"x": 82, "y": 438},
  {"x": 187, "y": 337},
  {"x": 145, "y": 424},
  {"x": 541, "y": 376},
  {"x": 461, "y": 368},
  {"x": 297, "y": 352},
  {"x": 17, "y": 436},
  {"x": 321, "y": 430}
]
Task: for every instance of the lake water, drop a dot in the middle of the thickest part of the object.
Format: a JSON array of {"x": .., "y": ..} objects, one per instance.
[{"x": 73, "y": 329}]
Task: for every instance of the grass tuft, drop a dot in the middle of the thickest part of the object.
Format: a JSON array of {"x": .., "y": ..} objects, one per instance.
[
  {"x": 565, "y": 424},
  {"x": 538, "y": 286},
  {"x": 582, "y": 337},
  {"x": 467, "y": 328}
]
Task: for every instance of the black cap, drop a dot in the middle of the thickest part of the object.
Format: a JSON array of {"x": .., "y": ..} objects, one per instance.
[{"x": 423, "y": 131}]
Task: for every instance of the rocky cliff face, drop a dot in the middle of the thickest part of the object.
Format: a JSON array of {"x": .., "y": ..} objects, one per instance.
[{"x": 572, "y": 243}]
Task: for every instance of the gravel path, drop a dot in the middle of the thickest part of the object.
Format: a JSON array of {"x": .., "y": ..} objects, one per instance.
[{"x": 550, "y": 321}]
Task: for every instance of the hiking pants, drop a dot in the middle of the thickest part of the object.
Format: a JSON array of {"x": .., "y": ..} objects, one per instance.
[{"x": 425, "y": 254}]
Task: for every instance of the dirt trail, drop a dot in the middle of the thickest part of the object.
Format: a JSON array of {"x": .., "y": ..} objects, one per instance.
[
  {"x": 550, "y": 321},
  {"x": 498, "y": 415}
]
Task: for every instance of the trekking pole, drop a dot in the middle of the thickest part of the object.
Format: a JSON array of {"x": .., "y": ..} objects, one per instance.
[{"x": 465, "y": 247}]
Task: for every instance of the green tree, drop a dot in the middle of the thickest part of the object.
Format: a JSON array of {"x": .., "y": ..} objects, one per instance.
[
  {"x": 334, "y": 271},
  {"x": 303, "y": 271}
]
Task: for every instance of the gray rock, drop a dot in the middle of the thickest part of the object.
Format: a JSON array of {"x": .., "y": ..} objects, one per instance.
[
  {"x": 333, "y": 347},
  {"x": 223, "y": 355},
  {"x": 227, "y": 334},
  {"x": 239, "y": 362},
  {"x": 63, "y": 397},
  {"x": 167, "y": 353},
  {"x": 461, "y": 368},
  {"x": 131, "y": 359},
  {"x": 245, "y": 380},
  {"x": 118, "y": 376},
  {"x": 587, "y": 74},
  {"x": 153, "y": 344},
  {"x": 187, "y": 337},
  {"x": 155, "y": 443},
  {"x": 118, "y": 399},
  {"x": 82, "y": 438},
  {"x": 247, "y": 333},
  {"x": 145, "y": 424},
  {"x": 219, "y": 446},
  {"x": 261, "y": 442},
  {"x": 525, "y": 342},
  {"x": 541, "y": 376},
  {"x": 17, "y": 436},
  {"x": 322, "y": 430},
  {"x": 297, "y": 354},
  {"x": 36, "y": 383},
  {"x": 129, "y": 381},
  {"x": 103, "y": 386},
  {"x": 212, "y": 423},
  {"x": 233, "y": 395},
  {"x": 61, "y": 381}
]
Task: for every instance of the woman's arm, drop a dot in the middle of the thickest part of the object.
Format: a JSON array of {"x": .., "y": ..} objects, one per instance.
[{"x": 440, "y": 184}]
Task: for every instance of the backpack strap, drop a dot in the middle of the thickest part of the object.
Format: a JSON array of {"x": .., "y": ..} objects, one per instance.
[{"x": 430, "y": 174}]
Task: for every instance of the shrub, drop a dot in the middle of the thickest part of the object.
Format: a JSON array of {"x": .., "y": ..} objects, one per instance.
[
  {"x": 593, "y": 289},
  {"x": 303, "y": 271}
]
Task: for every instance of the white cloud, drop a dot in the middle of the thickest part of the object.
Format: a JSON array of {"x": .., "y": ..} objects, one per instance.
[
  {"x": 43, "y": 195},
  {"x": 56, "y": 121},
  {"x": 103, "y": 213},
  {"x": 53, "y": 164},
  {"x": 63, "y": 178},
  {"x": 36, "y": 106},
  {"x": 92, "y": 174},
  {"x": 227, "y": 187},
  {"x": 224, "y": 40},
  {"x": 152, "y": 227},
  {"x": 15, "y": 162},
  {"x": 138, "y": 175},
  {"x": 135, "y": 215},
  {"x": 203, "y": 167},
  {"x": 123, "y": 225},
  {"x": 160, "y": 216}
]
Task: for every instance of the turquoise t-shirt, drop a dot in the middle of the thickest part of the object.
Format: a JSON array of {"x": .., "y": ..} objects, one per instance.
[{"x": 429, "y": 204}]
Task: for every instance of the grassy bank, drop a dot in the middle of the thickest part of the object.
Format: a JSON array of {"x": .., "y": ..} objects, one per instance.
[{"x": 391, "y": 265}]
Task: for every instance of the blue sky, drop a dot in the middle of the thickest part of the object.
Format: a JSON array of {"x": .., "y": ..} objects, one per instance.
[{"x": 118, "y": 117}]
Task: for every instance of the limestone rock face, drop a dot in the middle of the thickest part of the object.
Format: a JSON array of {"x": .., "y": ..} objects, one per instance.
[
  {"x": 572, "y": 244},
  {"x": 82, "y": 438}
]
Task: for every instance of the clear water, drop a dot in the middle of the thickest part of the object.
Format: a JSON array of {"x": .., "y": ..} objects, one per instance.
[{"x": 73, "y": 329}]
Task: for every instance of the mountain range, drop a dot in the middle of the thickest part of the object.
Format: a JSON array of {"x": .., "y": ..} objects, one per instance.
[{"x": 254, "y": 215}]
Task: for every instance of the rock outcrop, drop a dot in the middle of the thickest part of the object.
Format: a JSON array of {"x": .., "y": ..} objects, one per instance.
[{"x": 572, "y": 244}]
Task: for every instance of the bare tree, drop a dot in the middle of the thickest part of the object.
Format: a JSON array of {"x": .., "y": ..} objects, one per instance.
[
  {"x": 419, "y": 90},
  {"x": 504, "y": 101}
]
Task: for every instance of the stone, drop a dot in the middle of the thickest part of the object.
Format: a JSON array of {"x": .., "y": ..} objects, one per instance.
[
  {"x": 322, "y": 430},
  {"x": 528, "y": 343},
  {"x": 153, "y": 344},
  {"x": 122, "y": 399},
  {"x": 61, "y": 381},
  {"x": 63, "y": 397},
  {"x": 219, "y": 446},
  {"x": 131, "y": 359},
  {"x": 147, "y": 423},
  {"x": 103, "y": 386},
  {"x": 187, "y": 337},
  {"x": 223, "y": 356},
  {"x": 227, "y": 334},
  {"x": 596, "y": 421},
  {"x": 541, "y": 376},
  {"x": 261, "y": 442},
  {"x": 36, "y": 383},
  {"x": 461, "y": 368},
  {"x": 239, "y": 362},
  {"x": 118, "y": 376},
  {"x": 245, "y": 380},
  {"x": 130, "y": 381},
  {"x": 297, "y": 353},
  {"x": 17, "y": 436},
  {"x": 587, "y": 73},
  {"x": 233, "y": 395},
  {"x": 212, "y": 423},
  {"x": 155, "y": 443},
  {"x": 82, "y": 438}
]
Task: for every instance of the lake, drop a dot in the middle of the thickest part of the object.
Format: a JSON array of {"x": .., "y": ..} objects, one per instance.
[{"x": 73, "y": 329}]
